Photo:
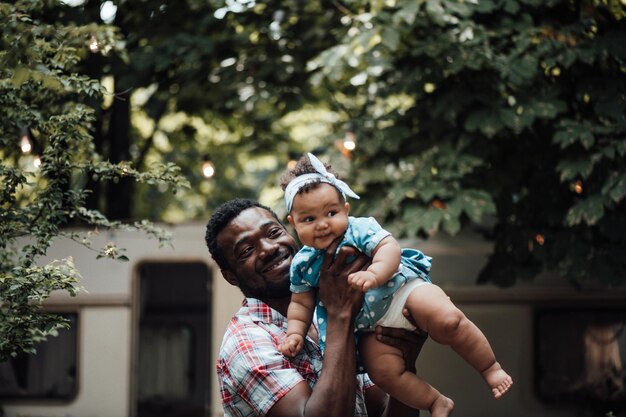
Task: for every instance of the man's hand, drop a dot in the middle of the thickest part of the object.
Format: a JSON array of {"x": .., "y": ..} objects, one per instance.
[
  {"x": 409, "y": 342},
  {"x": 334, "y": 290},
  {"x": 292, "y": 345}
]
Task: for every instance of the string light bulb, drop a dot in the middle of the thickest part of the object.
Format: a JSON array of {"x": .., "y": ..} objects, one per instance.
[
  {"x": 578, "y": 187},
  {"x": 208, "y": 169},
  {"x": 539, "y": 238},
  {"x": 37, "y": 161},
  {"x": 25, "y": 144},
  {"x": 349, "y": 140},
  {"x": 293, "y": 159},
  {"x": 94, "y": 47},
  {"x": 348, "y": 144}
]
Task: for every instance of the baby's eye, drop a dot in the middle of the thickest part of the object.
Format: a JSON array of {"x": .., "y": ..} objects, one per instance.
[
  {"x": 308, "y": 219},
  {"x": 332, "y": 213}
]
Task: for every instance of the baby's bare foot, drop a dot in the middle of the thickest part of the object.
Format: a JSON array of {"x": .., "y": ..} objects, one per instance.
[
  {"x": 497, "y": 379},
  {"x": 441, "y": 407}
]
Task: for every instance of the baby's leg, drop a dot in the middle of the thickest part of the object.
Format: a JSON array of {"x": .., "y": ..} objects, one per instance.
[
  {"x": 385, "y": 365},
  {"x": 434, "y": 313}
]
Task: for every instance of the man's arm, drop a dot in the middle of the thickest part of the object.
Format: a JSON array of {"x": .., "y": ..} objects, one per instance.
[{"x": 334, "y": 393}]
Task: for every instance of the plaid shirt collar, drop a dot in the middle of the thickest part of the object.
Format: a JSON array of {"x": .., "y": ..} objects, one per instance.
[{"x": 258, "y": 311}]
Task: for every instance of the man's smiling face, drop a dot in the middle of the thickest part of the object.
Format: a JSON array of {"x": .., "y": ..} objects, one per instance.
[{"x": 259, "y": 252}]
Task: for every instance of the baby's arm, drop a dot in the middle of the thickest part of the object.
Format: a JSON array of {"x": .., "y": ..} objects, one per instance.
[
  {"x": 299, "y": 316},
  {"x": 385, "y": 262}
]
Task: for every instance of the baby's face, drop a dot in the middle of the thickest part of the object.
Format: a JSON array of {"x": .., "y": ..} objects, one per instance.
[{"x": 319, "y": 216}]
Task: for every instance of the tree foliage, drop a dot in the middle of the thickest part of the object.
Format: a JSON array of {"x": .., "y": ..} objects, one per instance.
[
  {"x": 45, "y": 102},
  {"x": 506, "y": 116},
  {"x": 506, "y": 111},
  {"x": 217, "y": 81},
  {"x": 501, "y": 115}
]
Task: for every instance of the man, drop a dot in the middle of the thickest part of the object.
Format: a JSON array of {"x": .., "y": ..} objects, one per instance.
[{"x": 254, "y": 253}]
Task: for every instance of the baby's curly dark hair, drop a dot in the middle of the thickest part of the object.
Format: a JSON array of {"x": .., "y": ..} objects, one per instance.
[{"x": 303, "y": 166}]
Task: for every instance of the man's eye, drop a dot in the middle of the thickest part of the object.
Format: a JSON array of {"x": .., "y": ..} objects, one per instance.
[
  {"x": 245, "y": 252},
  {"x": 275, "y": 232}
]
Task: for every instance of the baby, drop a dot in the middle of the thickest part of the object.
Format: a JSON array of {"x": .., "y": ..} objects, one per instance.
[{"x": 397, "y": 279}]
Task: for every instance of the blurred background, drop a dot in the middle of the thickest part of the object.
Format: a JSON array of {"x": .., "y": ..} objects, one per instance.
[{"x": 488, "y": 133}]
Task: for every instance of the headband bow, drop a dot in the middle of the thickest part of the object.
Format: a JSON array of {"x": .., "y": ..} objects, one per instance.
[{"x": 322, "y": 176}]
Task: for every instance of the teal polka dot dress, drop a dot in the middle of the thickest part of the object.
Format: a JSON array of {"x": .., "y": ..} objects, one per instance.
[{"x": 363, "y": 233}]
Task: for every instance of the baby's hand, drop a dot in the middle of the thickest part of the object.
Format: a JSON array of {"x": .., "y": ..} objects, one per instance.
[
  {"x": 291, "y": 345},
  {"x": 363, "y": 280}
]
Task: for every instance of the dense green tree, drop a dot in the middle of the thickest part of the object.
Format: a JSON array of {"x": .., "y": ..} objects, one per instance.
[
  {"x": 504, "y": 116},
  {"x": 46, "y": 155},
  {"x": 196, "y": 79},
  {"x": 508, "y": 116}
]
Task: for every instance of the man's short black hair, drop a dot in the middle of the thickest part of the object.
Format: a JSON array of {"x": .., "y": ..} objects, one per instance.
[{"x": 220, "y": 219}]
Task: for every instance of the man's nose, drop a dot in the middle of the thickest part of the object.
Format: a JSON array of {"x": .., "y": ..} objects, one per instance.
[{"x": 267, "y": 248}]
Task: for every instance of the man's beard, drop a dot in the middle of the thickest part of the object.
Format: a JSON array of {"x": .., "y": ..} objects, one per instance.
[{"x": 270, "y": 290}]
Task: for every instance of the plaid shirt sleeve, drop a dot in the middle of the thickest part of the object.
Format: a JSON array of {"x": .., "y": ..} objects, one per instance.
[{"x": 252, "y": 373}]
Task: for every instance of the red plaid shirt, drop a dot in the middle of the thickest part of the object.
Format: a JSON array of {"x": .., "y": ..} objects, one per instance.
[{"x": 253, "y": 375}]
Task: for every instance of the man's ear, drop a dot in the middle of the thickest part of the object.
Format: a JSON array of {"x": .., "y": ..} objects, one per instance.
[
  {"x": 230, "y": 277},
  {"x": 290, "y": 220}
]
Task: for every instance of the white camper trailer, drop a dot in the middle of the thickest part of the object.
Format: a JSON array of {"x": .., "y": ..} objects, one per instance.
[{"x": 146, "y": 333}]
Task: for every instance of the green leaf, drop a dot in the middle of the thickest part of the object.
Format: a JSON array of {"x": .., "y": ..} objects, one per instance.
[
  {"x": 430, "y": 219},
  {"x": 516, "y": 120},
  {"x": 549, "y": 109},
  {"x": 391, "y": 38},
  {"x": 475, "y": 204},
  {"x": 451, "y": 220},
  {"x": 571, "y": 169},
  {"x": 615, "y": 187},
  {"x": 589, "y": 210},
  {"x": 20, "y": 76},
  {"x": 574, "y": 132},
  {"x": 511, "y": 6},
  {"x": 407, "y": 13},
  {"x": 486, "y": 121},
  {"x": 412, "y": 218},
  {"x": 520, "y": 70}
]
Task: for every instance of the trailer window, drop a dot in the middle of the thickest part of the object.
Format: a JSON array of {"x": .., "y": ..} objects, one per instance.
[
  {"x": 48, "y": 374},
  {"x": 173, "y": 364},
  {"x": 581, "y": 356}
]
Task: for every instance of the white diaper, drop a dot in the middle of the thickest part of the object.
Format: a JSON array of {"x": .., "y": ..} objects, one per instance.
[{"x": 394, "y": 317}]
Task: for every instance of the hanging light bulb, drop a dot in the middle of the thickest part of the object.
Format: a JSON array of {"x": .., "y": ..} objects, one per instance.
[
  {"x": 348, "y": 144},
  {"x": 208, "y": 169},
  {"x": 25, "y": 143},
  {"x": 578, "y": 187},
  {"x": 94, "y": 47},
  {"x": 293, "y": 160},
  {"x": 539, "y": 238},
  {"x": 349, "y": 140}
]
